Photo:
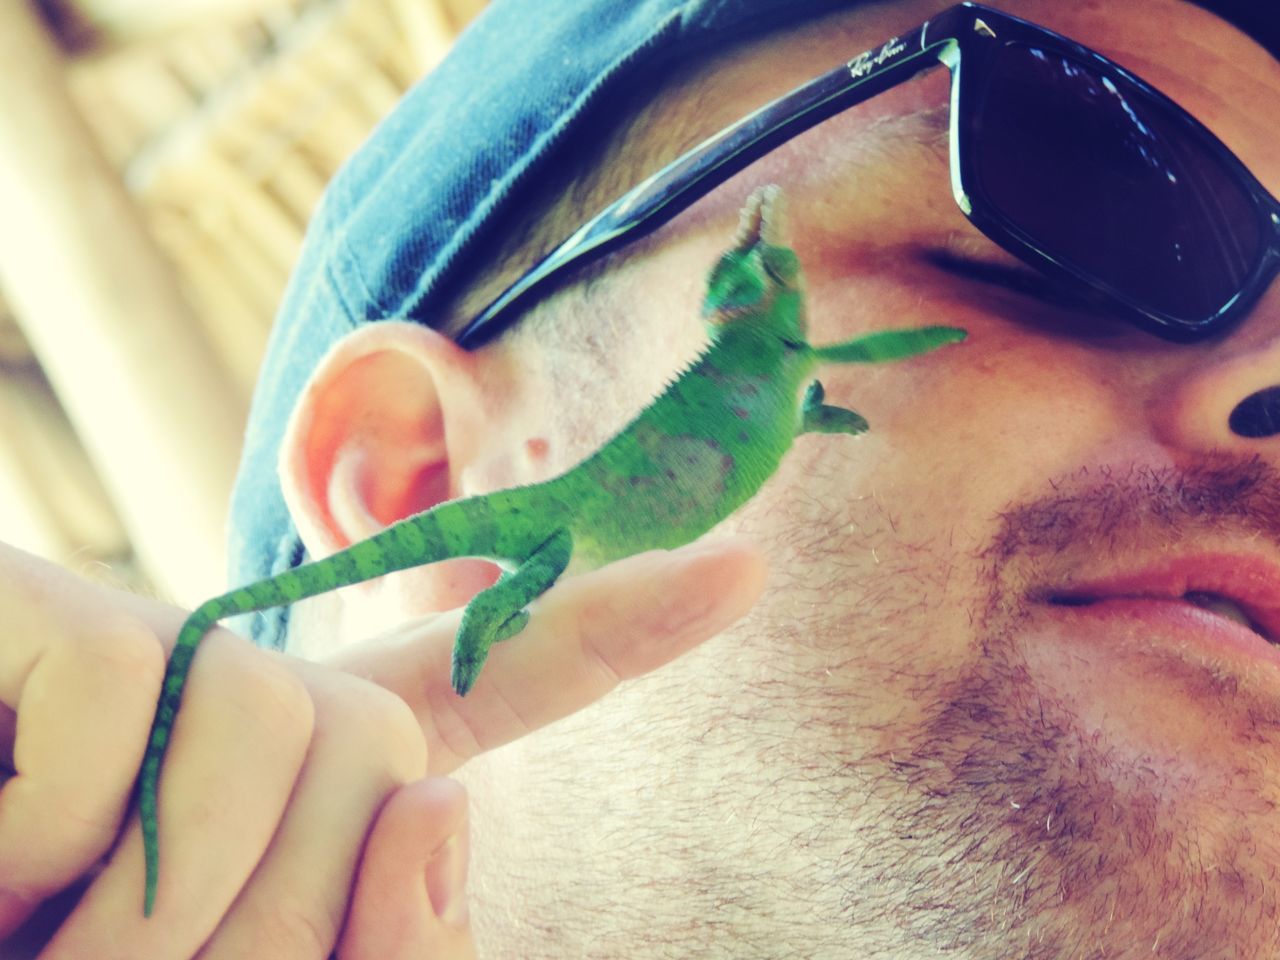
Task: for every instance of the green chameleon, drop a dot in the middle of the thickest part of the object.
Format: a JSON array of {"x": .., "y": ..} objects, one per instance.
[{"x": 687, "y": 461}]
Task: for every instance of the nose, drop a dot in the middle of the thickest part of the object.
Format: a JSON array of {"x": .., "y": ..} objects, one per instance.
[
  {"x": 1227, "y": 395},
  {"x": 1258, "y": 415}
]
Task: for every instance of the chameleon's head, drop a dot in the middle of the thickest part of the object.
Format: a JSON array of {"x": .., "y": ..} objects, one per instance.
[{"x": 758, "y": 281}]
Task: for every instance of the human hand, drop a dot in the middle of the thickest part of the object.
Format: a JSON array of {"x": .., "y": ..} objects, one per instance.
[{"x": 315, "y": 754}]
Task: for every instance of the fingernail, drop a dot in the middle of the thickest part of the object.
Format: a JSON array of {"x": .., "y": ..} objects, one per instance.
[{"x": 447, "y": 882}]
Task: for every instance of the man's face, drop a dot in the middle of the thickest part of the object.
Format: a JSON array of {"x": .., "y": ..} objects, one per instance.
[{"x": 909, "y": 745}]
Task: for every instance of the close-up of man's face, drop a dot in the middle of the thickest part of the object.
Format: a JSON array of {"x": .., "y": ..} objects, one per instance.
[{"x": 1012, "y": 690}]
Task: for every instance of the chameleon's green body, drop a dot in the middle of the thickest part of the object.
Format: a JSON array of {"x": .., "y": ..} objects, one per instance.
[{"x": 689, "y": 460}]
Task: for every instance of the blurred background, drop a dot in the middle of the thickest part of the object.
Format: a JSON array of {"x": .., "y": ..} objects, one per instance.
[{"x": 159, "y": 160}]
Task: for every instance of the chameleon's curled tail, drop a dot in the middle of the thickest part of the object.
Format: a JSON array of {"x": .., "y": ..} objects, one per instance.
[
  {"x": 170, "y": 696},
  {"x": 421, "y": 539},
  {"x": 287, "y": 587}
]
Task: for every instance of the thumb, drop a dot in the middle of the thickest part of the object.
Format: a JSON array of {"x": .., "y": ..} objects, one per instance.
[{"x": 410, "y": 893}]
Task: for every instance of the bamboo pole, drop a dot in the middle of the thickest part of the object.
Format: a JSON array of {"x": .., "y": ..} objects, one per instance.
[
  {"x": 237, "y": 328},
  {"x": 14, "y": 349},
  {"x": 104, "y": 314},
  {"x": 23, "y": 522},
  {"x": 63, "y": 490},
  {"x": 26, "y": 521},
  {"x": 427, "y": 28},
  {"x": 356, "y": 75},
  {"x": 291, "y": 103},
  {"x": 127, "y": 22},
  {"x": 462, "y": 12},
  {"x": 228, "y": 194},
  {"x": 296, "y": 183},
  {"x": 126, "y": 99},
  {"x": 325, "y": 122}
]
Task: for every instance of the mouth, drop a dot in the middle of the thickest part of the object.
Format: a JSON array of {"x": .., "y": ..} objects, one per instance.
[
  {"x": 1225, "y": 607},
  {"x": 1236, "y": 592}
]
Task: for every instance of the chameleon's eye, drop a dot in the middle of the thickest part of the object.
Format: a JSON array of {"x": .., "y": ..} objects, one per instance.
[
  {"x": 781, "y": 263},
  {"x": 734, "y": 283}
]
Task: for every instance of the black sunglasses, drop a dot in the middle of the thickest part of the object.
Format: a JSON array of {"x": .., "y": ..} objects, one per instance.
[{"x": 1059, "y": 155}]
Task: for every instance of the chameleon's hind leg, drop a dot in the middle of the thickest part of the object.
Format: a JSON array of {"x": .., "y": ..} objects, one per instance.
[
  {"x": 498, "y": 613},
  {"x": 823, "y": 418}
]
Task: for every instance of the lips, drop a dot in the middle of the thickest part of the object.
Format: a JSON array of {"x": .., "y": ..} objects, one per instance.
[{"x": 1240, "y": 588}]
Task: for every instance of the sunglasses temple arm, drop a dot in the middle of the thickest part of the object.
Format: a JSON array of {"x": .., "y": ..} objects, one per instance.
[{"x": 692, "y": 176}]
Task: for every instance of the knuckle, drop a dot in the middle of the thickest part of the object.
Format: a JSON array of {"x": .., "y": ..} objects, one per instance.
[
  {"x": 385, "y": 727},
  {"x": 599, "y": 650},
  {"x": 456, "y": 734},
  {"x": 292, "y": 929},
  {"x": 277, "y": 698},
  {"x": 124, "y": 648}
]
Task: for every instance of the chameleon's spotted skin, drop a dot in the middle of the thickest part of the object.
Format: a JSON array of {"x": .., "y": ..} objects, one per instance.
[{"x": 688, "y": 460}]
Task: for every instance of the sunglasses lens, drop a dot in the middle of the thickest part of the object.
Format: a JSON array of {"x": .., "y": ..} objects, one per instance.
[{"x": 1104, "y": 178}]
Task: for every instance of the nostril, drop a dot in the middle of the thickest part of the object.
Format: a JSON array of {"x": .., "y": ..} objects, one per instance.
[{"x": 1257, "y": 415}]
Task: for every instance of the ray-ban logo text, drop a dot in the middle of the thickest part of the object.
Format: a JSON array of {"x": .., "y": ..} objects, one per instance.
[{"x": 864, "y": 63}]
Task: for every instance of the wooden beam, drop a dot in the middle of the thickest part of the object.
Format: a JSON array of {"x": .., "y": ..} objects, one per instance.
[
  {"x": 112, "y": 24},
  {"x": 25, "y": 520},
  {"x": 62, "y": 492},
  {"x": 14, "y": 349},
  {"x": 271, "y": 75},
  {"x": 103, "y": 312}
]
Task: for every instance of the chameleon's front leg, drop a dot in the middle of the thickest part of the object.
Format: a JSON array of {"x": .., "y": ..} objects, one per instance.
[
  {"x": 496, "y": 613},
  {"x": 822, "y": 418}
]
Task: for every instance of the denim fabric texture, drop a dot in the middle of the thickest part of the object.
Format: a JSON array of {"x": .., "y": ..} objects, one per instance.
[{"x": 401, "y": 223}]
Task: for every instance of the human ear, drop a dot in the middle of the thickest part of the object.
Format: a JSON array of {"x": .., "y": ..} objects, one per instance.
[{"x": 385, "y": 428}]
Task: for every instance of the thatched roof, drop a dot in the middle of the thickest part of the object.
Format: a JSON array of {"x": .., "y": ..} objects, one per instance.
[{"x": 158, "y": 164}]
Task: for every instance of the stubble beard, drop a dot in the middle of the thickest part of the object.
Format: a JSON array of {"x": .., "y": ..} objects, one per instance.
[
  {"x": 780, "y": 810},
  {"x": 1005, "y": 826}
]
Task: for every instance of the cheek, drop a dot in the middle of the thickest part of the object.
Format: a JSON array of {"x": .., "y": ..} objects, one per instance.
[
  {"x": 624, "y": 345},
  {"x": 877, "y": 575},
  {"x": 896, "y": 521},
  {"x": 965, "y": 438}
]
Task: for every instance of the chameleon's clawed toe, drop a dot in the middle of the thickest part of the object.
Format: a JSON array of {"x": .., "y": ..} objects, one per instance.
[
  {"x": 463, "y": 675},
  {"x": 814, "y": 396}
]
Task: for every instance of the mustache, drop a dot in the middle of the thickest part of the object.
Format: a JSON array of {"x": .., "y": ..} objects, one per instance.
[{"x": 1112, "y": 506}]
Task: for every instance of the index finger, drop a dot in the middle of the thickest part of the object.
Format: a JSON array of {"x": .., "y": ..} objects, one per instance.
[{"x": 584, "y": 637}]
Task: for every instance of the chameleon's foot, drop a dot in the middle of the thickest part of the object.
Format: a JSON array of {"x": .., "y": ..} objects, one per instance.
[
  {"x": 498, "y": 612},
  {"x": 471, "y": 651},
  {"x": 823, "y": 418}
]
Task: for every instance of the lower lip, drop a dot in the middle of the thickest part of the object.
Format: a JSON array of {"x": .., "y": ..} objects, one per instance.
[{"x": 1192, "y": 628}]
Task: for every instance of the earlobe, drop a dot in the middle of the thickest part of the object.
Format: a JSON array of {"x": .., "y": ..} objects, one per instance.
[{"x": 380, "y": 432}]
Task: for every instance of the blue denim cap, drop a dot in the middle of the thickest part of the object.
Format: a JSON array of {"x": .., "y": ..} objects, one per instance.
[{"x": 406, "y": 220}]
